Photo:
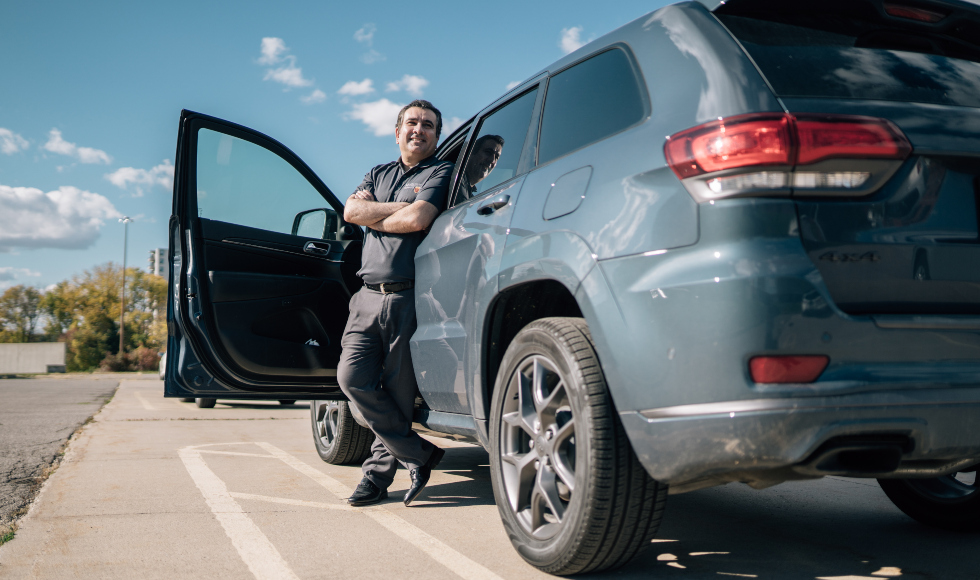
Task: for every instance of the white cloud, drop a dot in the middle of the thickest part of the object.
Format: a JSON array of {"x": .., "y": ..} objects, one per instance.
[
  {"x": 571, "y": 39},
  {"x": 63, "y": 218},
  {"x": 289, "y": 74},
  {"x": 317, "y": 96},
  {"x": 57, "y": 144},
  {"x": 162, "y": 175},
  {"x": 372, "y": 56},
  {"x": 450, "y": 125},
  {"x": 512, "y": 84},
  {"x": 11, "y": 142},
  {"x": 379, "y": 116},
  {"x": 354, "y": 88},
  {"x": 365, "y": 35},
  {"x": 272, "y": 50},
  {"x": 411, "y": 84}
]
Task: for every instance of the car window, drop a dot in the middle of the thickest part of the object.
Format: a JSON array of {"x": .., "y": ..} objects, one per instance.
[
  {"x": 847, "y": 58},
  {"x": 496, "y": 150},
  {"x": 588, "y": 102},
  {"x": 242, "y": 183}
]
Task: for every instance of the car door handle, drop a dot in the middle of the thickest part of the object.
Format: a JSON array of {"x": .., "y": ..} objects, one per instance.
[
  {"x": 316, "y": 250},
  {"x": 493, "y": 205}
]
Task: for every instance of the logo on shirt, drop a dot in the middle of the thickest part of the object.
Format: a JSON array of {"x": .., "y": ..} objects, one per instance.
[{"x": 417, "y": 186}]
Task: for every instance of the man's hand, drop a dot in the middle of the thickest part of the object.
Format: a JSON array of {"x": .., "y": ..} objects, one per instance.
[
  {"x": 363, "y": 194},
  {"x": 362, "y": 208},
  {"x": 412, "y": 218}
]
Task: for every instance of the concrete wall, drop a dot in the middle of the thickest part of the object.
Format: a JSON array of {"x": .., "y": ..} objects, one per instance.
[{"x": 31, "y": 357}]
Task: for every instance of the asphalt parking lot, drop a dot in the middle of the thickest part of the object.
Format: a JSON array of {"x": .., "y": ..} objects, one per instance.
[
  {"x": 37, "y": 417},
  {"x": 155, "y": 488}
]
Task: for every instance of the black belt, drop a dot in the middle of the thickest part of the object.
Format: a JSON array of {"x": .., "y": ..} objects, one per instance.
[{"x": 390, "y": 287}]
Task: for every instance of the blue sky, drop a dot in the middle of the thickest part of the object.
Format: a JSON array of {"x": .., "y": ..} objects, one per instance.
[{"x": 93, "y": 92}]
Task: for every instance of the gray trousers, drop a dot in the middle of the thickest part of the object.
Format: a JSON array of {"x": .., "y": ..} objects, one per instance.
[{"x": 376, "y": 374}]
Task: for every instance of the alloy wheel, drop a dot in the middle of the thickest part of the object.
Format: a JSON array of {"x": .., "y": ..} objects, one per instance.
[
  {"x": 537, "y": 447},
  {"x": 327, "y": 421}
]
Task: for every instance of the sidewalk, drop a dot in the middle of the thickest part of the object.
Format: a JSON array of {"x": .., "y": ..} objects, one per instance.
[{"x": 155, "y": 488}]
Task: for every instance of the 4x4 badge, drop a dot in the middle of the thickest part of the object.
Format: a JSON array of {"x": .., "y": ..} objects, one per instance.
[
  {"x": 844, "y": 257},
  {"x": 312, "y": 342}
]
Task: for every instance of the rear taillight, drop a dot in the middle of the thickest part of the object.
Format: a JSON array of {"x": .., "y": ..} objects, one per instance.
[
  {"x": 787, "y": 369},
  {"x": 823, "y": 137},
  {"x": 726, "y": 151},
  {"x": 743, "y": 141},
  {"x": 912, "y": 13}
]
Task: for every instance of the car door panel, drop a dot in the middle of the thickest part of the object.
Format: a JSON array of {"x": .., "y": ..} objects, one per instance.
[{"x": 256, "y": 312}]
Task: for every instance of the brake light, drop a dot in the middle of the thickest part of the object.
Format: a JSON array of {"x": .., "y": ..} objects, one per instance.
[
  {"x": 787, "y": 369},
  {"x": 850, "y": 137},
  {"x": 783, "y": 145},
  {"x": 743, "y": 141},
  {"x": 910, "y": 13}
]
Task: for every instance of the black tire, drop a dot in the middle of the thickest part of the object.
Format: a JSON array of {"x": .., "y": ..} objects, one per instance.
[
  {"x": 286, "y": 401},
  {"x": 951, "y": 502},
  {"x": 187, "y": 400},
  {"x": 206, "y": 403},
  {"x": 338, "y": 438},
  {"x": 612, "y": 507}
]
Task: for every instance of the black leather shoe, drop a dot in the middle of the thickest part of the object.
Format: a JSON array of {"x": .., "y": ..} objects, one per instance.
[
  {"x": 420, "y": 475},
  {"x": 367, "y": 493}
]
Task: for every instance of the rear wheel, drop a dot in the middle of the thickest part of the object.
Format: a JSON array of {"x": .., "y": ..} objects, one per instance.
[
  {"x": 286, "y": 401},
  {"x": 205, "y": 403},
  {"x": 338, "y": 438},
  {"x": 571, "y": 493},
  {"x": 951, "y": 502}
]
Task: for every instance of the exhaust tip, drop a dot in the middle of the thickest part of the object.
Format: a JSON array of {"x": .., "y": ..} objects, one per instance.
[{"x": 865, "y": 456}]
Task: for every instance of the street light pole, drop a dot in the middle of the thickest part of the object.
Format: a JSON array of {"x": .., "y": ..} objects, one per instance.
[{"x": 122, "y": 298}]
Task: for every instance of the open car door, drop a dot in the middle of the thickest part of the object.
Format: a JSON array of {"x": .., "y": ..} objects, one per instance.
[{"x": 262, "y": 269}]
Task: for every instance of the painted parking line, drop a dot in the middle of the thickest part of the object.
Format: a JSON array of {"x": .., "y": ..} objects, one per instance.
[
  {"x": 262, "y": 558},
  {"x": 253, "y": 545},
  {"x": 146, "y": 404},
  {"x": 286, "y": 501}
]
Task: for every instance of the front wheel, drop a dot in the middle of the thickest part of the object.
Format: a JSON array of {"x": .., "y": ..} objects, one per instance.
[
  {"x": 571, "y": 493},
  {"x": 205, "y": 403},
  {"x": 951, "y": 502},
  {"x": 338, "y": 438}
]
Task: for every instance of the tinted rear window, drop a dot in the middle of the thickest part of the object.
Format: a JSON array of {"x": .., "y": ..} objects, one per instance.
[
  {"x": 589, "y": 102},
  {"x": 851, "y": 58}
]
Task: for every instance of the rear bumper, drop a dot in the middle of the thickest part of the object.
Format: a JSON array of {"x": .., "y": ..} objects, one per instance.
[{"x": 774, "y": 439}]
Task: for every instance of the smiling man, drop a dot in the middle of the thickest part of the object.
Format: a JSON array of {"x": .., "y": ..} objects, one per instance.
[{"x": 397, "y": 202}]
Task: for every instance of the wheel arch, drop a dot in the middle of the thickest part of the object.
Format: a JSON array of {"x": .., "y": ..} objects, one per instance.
[{"x": 514, "y": 308}]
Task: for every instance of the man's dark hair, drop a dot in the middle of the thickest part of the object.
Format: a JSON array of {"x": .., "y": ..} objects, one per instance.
[
  {"x": 422, "y": 104},
  {"x": 495, "y": 138}
]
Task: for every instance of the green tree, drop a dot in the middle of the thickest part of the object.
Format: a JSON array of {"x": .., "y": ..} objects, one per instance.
[
  {"x": 59, "y": 305},
  {"x": 93, "y": 334},
  {"x": 20, "y": 312}
]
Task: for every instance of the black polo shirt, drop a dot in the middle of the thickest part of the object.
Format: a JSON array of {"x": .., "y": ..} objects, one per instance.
[{"x": 391, "y": 257}]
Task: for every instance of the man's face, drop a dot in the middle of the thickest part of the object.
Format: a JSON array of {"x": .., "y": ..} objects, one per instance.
[
  {"x": 416, "y": 136},
  {"x": 483, "y": 160}
]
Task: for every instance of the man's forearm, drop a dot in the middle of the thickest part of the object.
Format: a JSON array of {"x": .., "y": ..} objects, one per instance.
[
  {"x": 414, "y": 218},
  {"x": 364, "y": 212}
]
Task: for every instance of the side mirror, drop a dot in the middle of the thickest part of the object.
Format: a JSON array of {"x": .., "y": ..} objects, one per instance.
[{"x": 320, "y": 224}]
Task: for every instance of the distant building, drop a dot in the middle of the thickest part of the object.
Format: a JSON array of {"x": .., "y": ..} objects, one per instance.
[{"x": 160, "y": 263}]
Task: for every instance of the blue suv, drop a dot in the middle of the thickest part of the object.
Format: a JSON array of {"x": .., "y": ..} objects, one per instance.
[{"x": 725, "y": 243}]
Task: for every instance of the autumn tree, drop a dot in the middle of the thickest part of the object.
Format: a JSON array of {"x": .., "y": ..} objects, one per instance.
[{"x": 20, "y": 312}]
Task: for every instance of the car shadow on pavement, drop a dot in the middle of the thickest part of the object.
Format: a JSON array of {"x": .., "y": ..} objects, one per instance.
[
  {"x": 471, "y": 463},
  {"x": 263, "y": 406},
  {"x": 791, "y": 532}
]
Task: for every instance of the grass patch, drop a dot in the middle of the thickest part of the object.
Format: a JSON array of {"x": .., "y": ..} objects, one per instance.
[{"x": 8, "y": 535}]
